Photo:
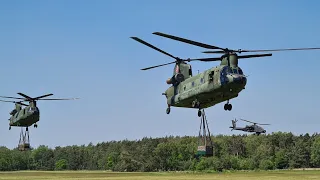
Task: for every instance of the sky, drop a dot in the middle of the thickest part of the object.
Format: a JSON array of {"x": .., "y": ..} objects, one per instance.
[{"x": 83, "y": 49}]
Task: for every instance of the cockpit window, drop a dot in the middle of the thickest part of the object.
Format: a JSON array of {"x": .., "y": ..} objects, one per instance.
[
  {"x": 229, "y": 70},
  {"x": 235, "y": 71},
  {"x": 226, "y": 70},
  {"x": 240, "y": 71}
]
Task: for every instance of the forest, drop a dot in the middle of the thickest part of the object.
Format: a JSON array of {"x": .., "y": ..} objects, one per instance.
[{"x": 279, "y": 150}]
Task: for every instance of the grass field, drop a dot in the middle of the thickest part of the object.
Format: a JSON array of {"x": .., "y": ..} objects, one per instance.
[{"x": 72, "y": 175}]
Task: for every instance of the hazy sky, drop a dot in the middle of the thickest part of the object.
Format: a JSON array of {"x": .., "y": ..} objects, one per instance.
[{"x": 82, "y": 49}]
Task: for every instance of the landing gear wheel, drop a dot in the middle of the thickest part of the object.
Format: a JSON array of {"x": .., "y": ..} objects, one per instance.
[
  {"x": 9, "y": 127},
  {"x": 168, "y": 110},
  {"x": 193, "y": 104},
  {"x": 199, "y": 113},
  {"x": 26, "y": 128},
  {"x": 196, "y": 104},
  {"x": 225, "y": 107},
  {"x": 35, "y": 126}
]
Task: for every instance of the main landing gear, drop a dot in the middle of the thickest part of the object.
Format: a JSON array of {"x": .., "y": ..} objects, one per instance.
[
  {"x": 227, "y": 106},
  {"x": 168, "y": 109},
  {"x": 35, "y": 126},
  {"x": 196, "y": 104}
]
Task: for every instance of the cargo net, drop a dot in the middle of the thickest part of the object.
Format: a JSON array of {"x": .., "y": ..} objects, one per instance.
[
  {"x": 205, "y": 145},
  {"x": 24, "y": 142}
]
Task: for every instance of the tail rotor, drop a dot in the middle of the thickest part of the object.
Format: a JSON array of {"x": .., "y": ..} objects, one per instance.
[{"x": 233, "y": 124}]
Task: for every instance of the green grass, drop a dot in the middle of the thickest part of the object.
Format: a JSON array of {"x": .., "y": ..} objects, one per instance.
[{"x": 84, "y": 175}]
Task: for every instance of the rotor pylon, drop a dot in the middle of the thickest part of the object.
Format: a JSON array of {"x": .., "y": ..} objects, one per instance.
[
  {"x": 205, "y": 144},
  {"x": 24, "y": 142}
]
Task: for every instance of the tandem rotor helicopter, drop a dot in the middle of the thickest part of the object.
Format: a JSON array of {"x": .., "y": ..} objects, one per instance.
[
  {"x": 29, "y": 115},
  {"x": 211, "y": 87},
  {"x": 248, "y": 128}
]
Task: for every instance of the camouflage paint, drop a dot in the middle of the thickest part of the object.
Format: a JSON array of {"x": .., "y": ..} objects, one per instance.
[
  {"x": 25, "y": 117},
  {"x": 224, "y": 86}
]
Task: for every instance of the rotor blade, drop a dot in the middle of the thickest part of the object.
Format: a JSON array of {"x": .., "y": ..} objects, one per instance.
[
  {"x": 187, "y": 60},
  {"x": 22, "y": 103},
  {"x": 289, "y": 49},
  {"x": 61, "y": 99},
  {"x": 263, "y": 124},
  {"x": 7, "y": 101},
  {"x": 11, "y": 97},
  {"x": 153, "y": 47},
  {"x": 42, "y": 96},
  {"x": 158, "y": 66},
  {"x": 21, "y": 94},
  {"x": 187, "y": 41},
  {"x": 14, "y": 102},
  {"x": 253, "y": 56},
  {"x": 209, "y": 52},
  {"x": 205, "y": 59},
  {"x": 248, "y": 121}
]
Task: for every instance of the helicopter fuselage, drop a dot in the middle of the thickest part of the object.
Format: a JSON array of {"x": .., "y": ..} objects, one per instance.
[
  {"x": 213, "y": 86},
  {"x": 248, "y": 128},
  {"x": 25, "y": 117},
  {"x": 255, "y": 128}
]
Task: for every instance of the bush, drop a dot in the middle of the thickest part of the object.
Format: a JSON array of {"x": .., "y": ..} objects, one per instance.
[
  {"x": 266, "y": 164},
  {"x": 61, "y": 165}
]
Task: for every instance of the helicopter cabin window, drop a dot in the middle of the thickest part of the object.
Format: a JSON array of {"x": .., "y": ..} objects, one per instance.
[{"x": 211, "y": 76}]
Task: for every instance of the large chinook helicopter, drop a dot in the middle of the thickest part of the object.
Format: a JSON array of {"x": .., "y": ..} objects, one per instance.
[
  {"x": 30, "y": 114},
  {"x": 211, "y": 87}
]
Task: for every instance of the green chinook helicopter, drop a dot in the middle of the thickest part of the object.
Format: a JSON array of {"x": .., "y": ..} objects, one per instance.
[
  {"x": 211, "y": 87},
  {"x": 29, "y": 115}
]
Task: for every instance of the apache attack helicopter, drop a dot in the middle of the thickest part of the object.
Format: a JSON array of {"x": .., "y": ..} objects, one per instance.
[
  {"x": 248, "y": 128},
  {"x": 29, "y": 115},
  {"x": 211, "y": 87}
]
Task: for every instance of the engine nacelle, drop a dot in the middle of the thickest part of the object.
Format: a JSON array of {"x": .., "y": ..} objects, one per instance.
[{"x": 175, "y": 79}]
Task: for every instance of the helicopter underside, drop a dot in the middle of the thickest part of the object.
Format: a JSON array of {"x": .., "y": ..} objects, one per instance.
[
  {"x": 25, "y": 121},
  {"x": 206, "y": 99}
]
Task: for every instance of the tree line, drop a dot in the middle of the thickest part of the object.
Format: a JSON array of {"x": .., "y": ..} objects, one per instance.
[{"x": 237, "y": 152}]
